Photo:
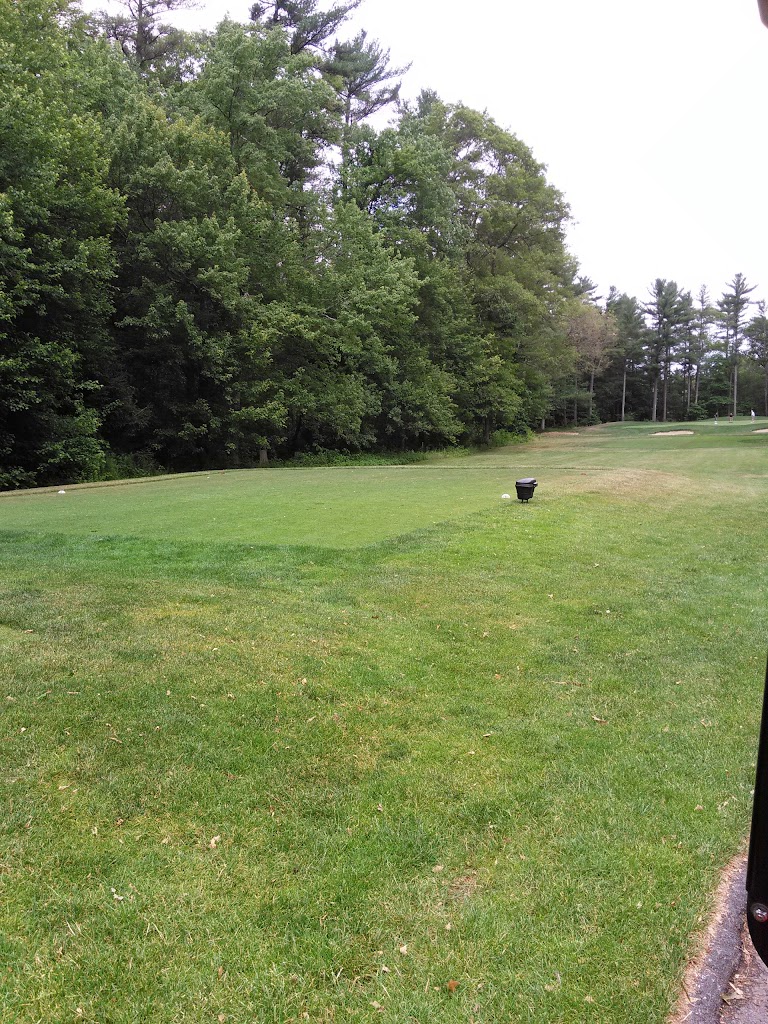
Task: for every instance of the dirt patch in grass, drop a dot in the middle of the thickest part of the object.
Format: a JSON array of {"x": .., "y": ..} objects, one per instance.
[
  {"x": 463, "y": 887},
  {"x": 638, "y": 483},
  {"x": 671, "y": 433}
]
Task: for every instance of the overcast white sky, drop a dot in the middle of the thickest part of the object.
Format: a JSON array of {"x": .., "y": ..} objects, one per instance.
[{"x": 650, "y": 117}]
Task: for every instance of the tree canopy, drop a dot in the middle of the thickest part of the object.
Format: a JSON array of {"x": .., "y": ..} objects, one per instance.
[{"x": 209, "y": 256}]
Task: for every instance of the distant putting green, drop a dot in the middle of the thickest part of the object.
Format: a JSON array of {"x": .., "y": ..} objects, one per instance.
[{"x": 375, "y": 745}]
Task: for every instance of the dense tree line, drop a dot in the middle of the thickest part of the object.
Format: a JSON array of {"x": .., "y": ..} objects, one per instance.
[
  {"x": 209, "y": 257},
  {"x": 675, "y": 357}
]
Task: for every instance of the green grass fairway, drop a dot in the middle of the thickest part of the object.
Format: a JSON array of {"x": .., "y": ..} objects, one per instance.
[
  {"x": 372, "y": 744},
  {"x": 334, "y": 508}
]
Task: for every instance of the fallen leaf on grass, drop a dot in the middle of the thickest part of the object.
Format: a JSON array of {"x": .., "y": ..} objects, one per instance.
[
  {"x": 452, "y": 986},
  {"x": 214, "y": 842},
  {"x": 437, "y": 869},
  {"x": 600, "y": 721},
  {"x": 404, "y": 950}
]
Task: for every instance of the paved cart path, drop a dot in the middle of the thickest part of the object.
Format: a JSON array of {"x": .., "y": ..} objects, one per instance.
[{"x": 728, "y": 982}]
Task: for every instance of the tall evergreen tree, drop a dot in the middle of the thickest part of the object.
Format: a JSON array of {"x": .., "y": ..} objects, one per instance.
[
  {"x": 700, "y": 343},
  {"x": 158, "y": 50},
  {"x": 666, "y": 309},
  {"x": 308, "y": 28},
  {"x": 364, "y": 77},
  {"x": 733, "y": 306},
  {"x": 630, "y": 337}
]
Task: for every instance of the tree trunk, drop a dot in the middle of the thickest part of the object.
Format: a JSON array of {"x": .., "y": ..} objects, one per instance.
[
  {"x": 655, "y": 397},
  {"x": 591, "y": 391},
  {"x": 666, "y": 377},
  {"x": 735, "y": 384},
  {"x": 624, "y": 392},
  {"x": 263, "y": 457}
]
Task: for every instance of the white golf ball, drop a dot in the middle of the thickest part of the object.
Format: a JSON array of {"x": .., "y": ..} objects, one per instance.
[
  {"x": 505, "y": 495},
  {"x": 62, "y": 492}
]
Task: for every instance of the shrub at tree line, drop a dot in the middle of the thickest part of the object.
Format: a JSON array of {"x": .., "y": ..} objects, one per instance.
[{"x": 209, "y": 257}]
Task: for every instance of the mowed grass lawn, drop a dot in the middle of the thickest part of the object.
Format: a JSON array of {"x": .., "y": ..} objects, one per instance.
[{"x": 373, "y": 744}]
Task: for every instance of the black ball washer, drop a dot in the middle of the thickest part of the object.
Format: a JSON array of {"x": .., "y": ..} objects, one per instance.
[{"x": 525, "y": 488}]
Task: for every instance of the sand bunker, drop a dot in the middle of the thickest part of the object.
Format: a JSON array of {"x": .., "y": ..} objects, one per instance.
[
  {"x": 762, "y": 430},
  {"x": 674, "y": 433}
]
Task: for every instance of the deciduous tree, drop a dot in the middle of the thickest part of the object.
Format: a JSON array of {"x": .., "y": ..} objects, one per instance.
[
  {"x": 57, "y": 213},
  {"x": 756, "y": 333}
]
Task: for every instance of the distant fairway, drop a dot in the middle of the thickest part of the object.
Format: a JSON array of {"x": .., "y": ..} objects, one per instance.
[{"x": 373, "y": 744}]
